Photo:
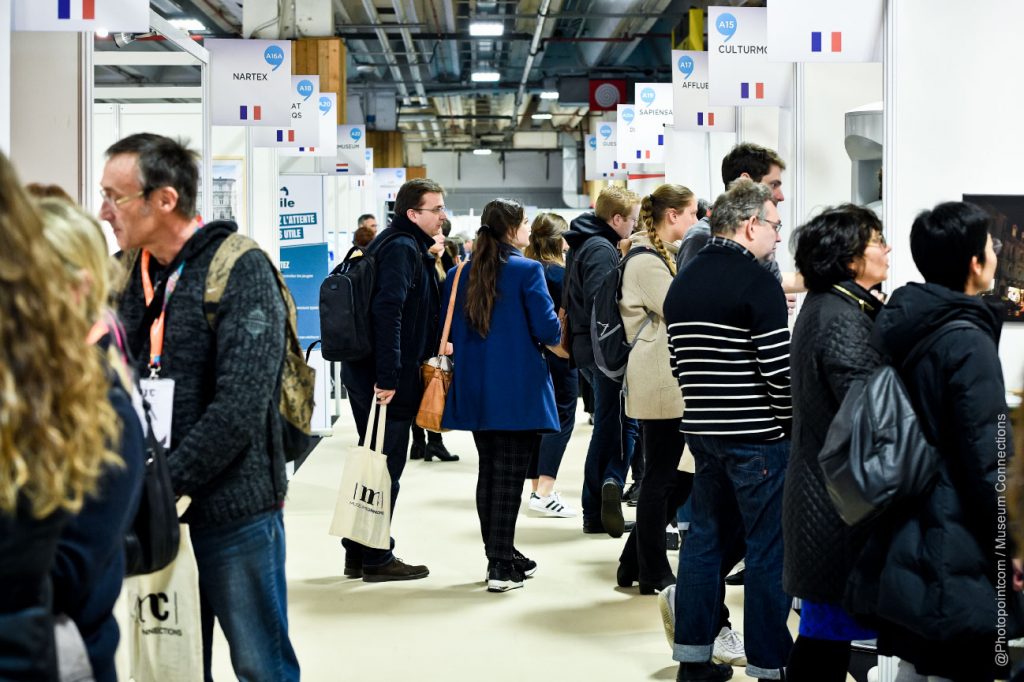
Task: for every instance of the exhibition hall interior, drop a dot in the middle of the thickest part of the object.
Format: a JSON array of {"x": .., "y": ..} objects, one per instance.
[{"x": 262, "y": 418}]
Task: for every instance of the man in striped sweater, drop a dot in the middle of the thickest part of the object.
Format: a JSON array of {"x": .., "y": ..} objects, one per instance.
[{"x": 729, "y": 341}]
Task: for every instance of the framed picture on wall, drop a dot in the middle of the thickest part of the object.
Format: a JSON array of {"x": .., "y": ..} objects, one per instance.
[
  {"x": 1007, "y": 211},
  {"x": 228, "y": 191}
]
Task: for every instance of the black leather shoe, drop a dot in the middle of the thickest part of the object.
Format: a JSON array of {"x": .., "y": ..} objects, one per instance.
[
  {"x": 523, "y": 563},
  {"x": 396, "y": 570},
  {"x": 656, "y": 586},
  {"x": 611, "y": 508},
  {"x": 417, "y": 451},
  {"x": 632, "y": 494},
  {"x": 626, "y": 575},
  {"x": 595, "y": 527},
  {"x": 353, "y": 568},
  {"x": 736, "y": 578},
  {"x": 441, "y": 452},
  {"x": 704, "y": 672}
]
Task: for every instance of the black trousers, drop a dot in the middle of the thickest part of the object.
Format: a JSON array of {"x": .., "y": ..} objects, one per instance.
[
  {"x": 664, "y": 490},
  {"x": 422, "y": 435},
  {"x": 504, "y": 458}
]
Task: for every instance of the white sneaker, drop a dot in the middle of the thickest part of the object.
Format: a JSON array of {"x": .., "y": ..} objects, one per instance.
[
  {"x": 729, "y": 648},
  {"x": 667, "y": 606},
  {"x": 552, "y": 505}
]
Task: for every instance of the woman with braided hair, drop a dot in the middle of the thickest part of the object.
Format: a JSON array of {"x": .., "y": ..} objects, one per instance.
[{"x": 652, "y": 393}]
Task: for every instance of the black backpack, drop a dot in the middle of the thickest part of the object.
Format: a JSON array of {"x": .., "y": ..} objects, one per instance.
[
  {"x": 607, "y": 330},
  {"x": 345, "y": 299},
  {"x": 875, "y": 452}
]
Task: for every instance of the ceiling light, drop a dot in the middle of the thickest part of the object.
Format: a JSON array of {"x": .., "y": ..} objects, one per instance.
[
  {"x": 549, "y": 94},
  {"x": 485, "y": 77},
  {"x": 541, "y": 117},
  {"x": 482, "y": 152},
  {"x": 188, "y": 24},
  {"x": 486, "y": 28}
]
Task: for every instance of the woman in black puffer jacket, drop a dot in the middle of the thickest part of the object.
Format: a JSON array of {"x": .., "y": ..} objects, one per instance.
[{"x": 841, "y": 255}]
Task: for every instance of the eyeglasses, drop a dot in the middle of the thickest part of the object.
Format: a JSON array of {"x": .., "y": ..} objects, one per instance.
[
  {"x": 878, "y": 241},
  {"x": 119, "y": 202},
  {"x": 997, "y": 246},
  {"x": 776, "y": 225},
  {"x": 436, "y": 211}
]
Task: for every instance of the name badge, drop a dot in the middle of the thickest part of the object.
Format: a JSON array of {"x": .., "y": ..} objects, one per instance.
[{"x": 159, "y": 393}]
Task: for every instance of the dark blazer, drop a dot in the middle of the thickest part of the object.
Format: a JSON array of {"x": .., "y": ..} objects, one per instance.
[
  {"x": 502, "y": 382},
  {"x": 831, "y": 347},
  {"x": 928, "y": 574},
  {"x": 403, "y": 318}
]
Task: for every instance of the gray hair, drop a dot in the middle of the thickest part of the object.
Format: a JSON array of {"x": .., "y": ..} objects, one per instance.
[{"x": 743, "y": 199}]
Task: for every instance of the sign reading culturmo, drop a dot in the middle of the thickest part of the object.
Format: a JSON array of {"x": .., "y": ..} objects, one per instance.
[{"x": 740, "y": 71}]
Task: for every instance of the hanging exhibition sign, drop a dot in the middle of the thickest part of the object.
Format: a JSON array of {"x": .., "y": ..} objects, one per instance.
[
  {"x": 639, "y": 138},
  {"x": 738, "y": 64},
  {"x": 591, "y": 170},
  {"x": 691, "y": 109},
  {"x": 304, "y": 130},
  {"x": 128, "y": 16},
  {"x": 654, "y": 102},
  {"x": 251, "y": 82},
  {"x": 350, "y": 153},
  {"x": 607, "y": 151},
  {"x": 328, "y": 130},
  {"x": 301, "y": 209},
  {"x": 825, "y": 31},
  {"x": 386, "y": 183}
]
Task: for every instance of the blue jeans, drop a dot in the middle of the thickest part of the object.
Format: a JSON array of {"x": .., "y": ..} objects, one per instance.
[
  {"x": 242, "y": 584},
  {"x": 611, "y": 444},
  {"x": 567, "y": 394},
  {"x": 737, "y": 484}
]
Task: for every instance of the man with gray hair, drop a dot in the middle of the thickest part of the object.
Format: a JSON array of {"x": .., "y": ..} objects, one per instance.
[{"x": 729, "y": 342}]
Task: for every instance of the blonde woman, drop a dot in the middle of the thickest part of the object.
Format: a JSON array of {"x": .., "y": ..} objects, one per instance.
[
  {"x": 593, "y": 239},
  {"x": 55, "y": 427},
  {"x": 652, "y": 392},
  {"x": 90, "y": 562},
  {"x": 546, "y": 245}
]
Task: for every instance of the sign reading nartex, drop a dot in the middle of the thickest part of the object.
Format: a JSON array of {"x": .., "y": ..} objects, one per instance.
[
  {"x": 251, "y": 82},
  {"x": 250, "y": 76}
]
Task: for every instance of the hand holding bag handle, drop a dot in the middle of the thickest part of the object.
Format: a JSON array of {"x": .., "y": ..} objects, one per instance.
[
  {"x": 437, "y": 371},
  {"x": 376, "y": 433}
]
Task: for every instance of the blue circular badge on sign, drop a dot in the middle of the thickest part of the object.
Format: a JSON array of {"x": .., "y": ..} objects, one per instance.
[
  {"x": 274, "y": 56},
  {"x": 647, "y": 95},
  {"x": 356, "y": 133},
  {"x": 606, "y": 131},
  {"x": 726, "y": 26},
  {"x": 593, "y": 142},
  {"x": 305, "y": 89},
  {"x": 325, "y": 105},
  {"x": 628, "y": 115},
  {"x": 686, "y": 65}
]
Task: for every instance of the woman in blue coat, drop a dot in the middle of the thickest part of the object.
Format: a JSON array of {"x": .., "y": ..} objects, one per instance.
[{"x": 502, "y": 390}]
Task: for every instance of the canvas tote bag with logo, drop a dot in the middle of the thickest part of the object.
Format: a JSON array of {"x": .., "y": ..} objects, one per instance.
[
  {"x": 165, "y": 636},
  {"x": 363, "y": 509}
]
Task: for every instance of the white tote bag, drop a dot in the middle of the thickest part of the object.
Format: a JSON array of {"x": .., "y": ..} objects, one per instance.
[
  {"x": 165, "y": 639},
  {"x": 363, "y": 509}
]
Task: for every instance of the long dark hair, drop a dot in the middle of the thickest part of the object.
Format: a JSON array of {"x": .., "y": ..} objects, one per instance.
[{"x": 500, "y": 218}]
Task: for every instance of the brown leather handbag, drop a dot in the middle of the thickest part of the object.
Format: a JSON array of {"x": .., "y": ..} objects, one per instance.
[{"x": 437, "y": 372}]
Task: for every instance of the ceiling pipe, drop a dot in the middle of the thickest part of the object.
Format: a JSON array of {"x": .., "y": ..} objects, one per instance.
[
  {"x": 359, "y": 45},
  {"x": 593, "y": 52},
  {"x": 538, "y": 32},
  {"x": 645, "y": 25},
  {"x": 412, "y": 54},
  {"x": 396, "y": 73},
  {"x": 453, "y": 46}
]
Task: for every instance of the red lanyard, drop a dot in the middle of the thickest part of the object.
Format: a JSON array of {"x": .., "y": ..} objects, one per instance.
[{"x": 156, "y": 330}]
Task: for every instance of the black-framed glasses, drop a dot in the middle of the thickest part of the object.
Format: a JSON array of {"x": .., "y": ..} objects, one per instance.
[
  {"x": 436, "y": 211},
  {"x": 776, "y": 224},
  {"x": 120, "y": 201}
]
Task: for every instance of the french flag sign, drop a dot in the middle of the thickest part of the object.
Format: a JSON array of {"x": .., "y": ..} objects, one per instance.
[
  {"x": 130, "y": 16},
  {"x": 825, "y": 31},
  {"x": 250, "y": 113},
  {"x": 836, "y": 42}
]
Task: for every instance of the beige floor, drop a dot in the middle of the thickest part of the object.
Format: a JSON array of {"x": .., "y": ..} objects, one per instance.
[{"x": 570, "y": 623}]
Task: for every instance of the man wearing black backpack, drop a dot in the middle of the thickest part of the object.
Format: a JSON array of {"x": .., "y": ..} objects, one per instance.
[
  {"x": 593, "y": 240},
  {"x": 404, "y": 311},
  {"x": 226, "y": 449}
]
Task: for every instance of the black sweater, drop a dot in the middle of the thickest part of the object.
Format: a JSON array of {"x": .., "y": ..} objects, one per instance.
[
  {"x": 729, "y": 345},
  {"x": 225, "y": 450}
]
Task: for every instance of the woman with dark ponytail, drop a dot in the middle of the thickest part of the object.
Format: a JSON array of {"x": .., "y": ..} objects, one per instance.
[{"x": 502, "y": 390}]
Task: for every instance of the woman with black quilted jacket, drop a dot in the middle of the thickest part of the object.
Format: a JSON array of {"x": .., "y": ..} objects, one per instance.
[{"x": 841, "y": 254}]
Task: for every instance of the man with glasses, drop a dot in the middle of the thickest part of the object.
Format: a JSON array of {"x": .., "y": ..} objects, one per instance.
[
  {"x": 404, "y": 322},
  {"x": 225, "y": 449},
  {"x": 729, "y": 343}
]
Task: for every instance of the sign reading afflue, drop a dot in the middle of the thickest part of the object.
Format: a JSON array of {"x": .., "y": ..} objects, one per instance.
[
  {"x": 251, "y": 82},
  {"x": 129, "y": 16},
  {"x": 740, "y": 71},
  {"x": 691, "y": 109}
]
